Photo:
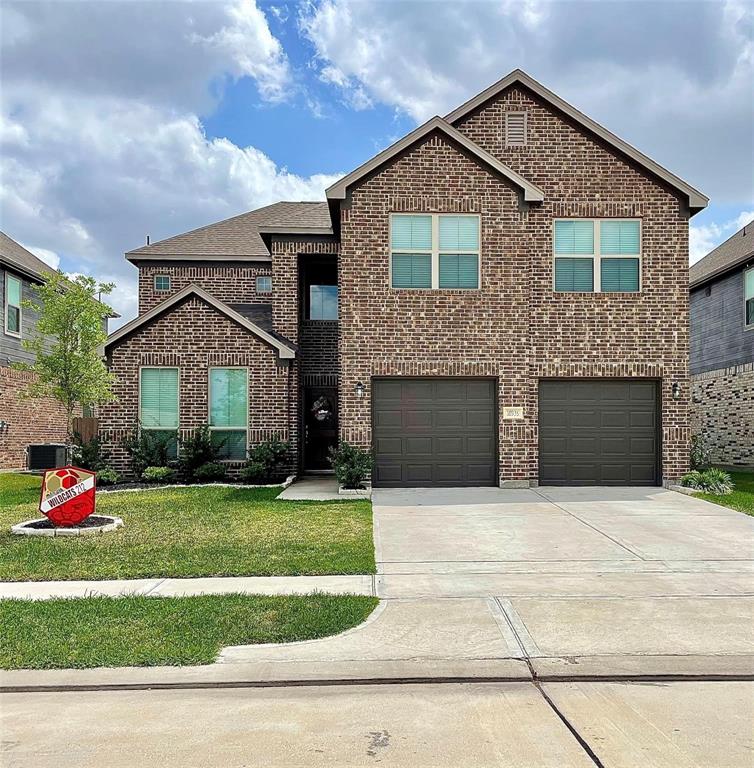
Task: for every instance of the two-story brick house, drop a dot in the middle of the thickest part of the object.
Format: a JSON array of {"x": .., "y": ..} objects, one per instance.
[{"x": 500, "y": 297}]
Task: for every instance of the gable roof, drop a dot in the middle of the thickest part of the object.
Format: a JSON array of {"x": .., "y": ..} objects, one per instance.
[
  {"x": 14, "y": 255},
  {"x": 239, "y": 238},
  {"x": 337, "y": 191},
  {"x": 734, "y": 252},
  {"x": 286, "y": 350},
  {"x": 697, "y": 201}
]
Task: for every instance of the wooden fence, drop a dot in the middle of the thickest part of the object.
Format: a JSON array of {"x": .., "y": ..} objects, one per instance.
[{"x": 86, "y": 426}]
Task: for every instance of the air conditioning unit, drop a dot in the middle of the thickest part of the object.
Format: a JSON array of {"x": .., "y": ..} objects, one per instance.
[{"x": 46, "y": 456}]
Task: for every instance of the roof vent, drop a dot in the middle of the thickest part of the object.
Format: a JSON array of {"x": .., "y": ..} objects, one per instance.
[{"x": 515, "y": 129}]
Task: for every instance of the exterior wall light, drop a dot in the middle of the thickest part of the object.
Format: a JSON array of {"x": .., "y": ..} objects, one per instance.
[
  {"x": 676, "y": 389},
  {"x": 360, "y": 389}
]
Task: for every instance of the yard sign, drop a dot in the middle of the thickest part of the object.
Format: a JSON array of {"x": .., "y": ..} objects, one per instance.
[{"x": 67, "y": 495}]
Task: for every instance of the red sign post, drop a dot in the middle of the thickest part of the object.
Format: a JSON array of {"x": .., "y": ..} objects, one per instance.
[{"x": 67, "y": 496}]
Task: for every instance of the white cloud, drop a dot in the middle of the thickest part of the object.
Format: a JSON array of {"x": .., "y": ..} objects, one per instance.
[
  {"x": 705, "y": 237},
  {"x": 678, "y": 86},
  {"x": 100, "y": 134}
]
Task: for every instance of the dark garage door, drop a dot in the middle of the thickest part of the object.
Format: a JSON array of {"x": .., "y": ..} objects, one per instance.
[
  {"x": 434, "y": 432},
  {"x": 598, "y": 432}
]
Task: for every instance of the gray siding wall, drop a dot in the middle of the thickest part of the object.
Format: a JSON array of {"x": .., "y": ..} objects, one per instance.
[
  {"x": 719, "y": 338},
  {"x": 11, "y": 347}
]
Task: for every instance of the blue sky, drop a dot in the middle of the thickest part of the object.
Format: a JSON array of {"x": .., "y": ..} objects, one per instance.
[{"x": 122, "y": 119}]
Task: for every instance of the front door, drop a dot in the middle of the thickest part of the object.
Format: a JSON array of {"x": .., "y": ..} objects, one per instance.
[{"x": 320, "y": 425}]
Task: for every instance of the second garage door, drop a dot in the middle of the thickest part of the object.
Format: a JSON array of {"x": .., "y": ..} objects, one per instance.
[
  {"x": 434, "y": 432},
  {"x": 599, "y": 432}
]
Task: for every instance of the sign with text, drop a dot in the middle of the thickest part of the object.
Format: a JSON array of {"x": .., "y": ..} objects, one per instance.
[
  {"x": 513, "y": 412},
  {"x": 67, "y": 496}
]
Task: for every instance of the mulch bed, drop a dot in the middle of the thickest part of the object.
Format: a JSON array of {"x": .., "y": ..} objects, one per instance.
[{"x": 90, "y": 522}]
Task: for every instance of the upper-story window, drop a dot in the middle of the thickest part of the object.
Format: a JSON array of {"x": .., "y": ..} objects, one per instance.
[
  {"x": 264, "y": 284},
  {"x": 434, "y": 251},
  {"x": 162, "y": 283},
  {"x": 12, "y": 305},
  {"x": 749, "y": 296},
  {"x": 323, "y": 302},
  {"x": 597, "y": 255}
]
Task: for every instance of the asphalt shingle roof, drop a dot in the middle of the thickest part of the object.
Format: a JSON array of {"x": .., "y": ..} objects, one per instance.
[
  {"x": 736, "y": 250},
  {"x": 237, "y": 237},
  {"x": 15, "y": 255}
]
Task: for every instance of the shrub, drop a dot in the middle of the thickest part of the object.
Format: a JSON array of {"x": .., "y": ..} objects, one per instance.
[
  {"x": 89, "y": 454},
  {"x": 265, "y": 461},
  {"x": 197, "y": 449},
  {"x": 253, "y": 472},
  {"x": 107, "y": 476},
  {"x": 351, "y": 465},
  {"x": 712, "y": 480},
  {"x": 157, "y": 475},
  {"x": 208, "y": 472},
  {"x": 149, "y": 448},
  {"x": 700, "y": 452}
]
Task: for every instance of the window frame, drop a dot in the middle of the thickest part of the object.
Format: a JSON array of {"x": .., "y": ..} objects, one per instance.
[
  {"x": 747, "y": 326},
  {"x": 161, "y": 290},
  {"x": 434, "y": 252},
  {"x": 142, "y": 428},
  {"x": 248, "y": 408},
  {"x": 308, "y": 303},
  {"x": 596, "y": 256},
  {"x": 256, "y": 284},
  {"x": 7, "y": 305}
]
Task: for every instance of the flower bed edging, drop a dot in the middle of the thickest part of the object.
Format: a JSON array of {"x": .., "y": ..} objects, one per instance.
[{"x": 145, "y": 487}]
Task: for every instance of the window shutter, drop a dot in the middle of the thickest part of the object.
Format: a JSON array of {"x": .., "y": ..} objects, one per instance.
[
  {"x": 412, "y": 270},
  {"x": 411, "y": 233},
  {"x": 459, "y": 233},
  {"x": 459, "y": 270},
  {"x": 619, "y": 274},
  {"x": 515, "y": 129},
  {"x": 159, "y": 398},
  {"x": 574, "y": 274},
  {"x": 574, "y": 237},
  {"x": 619, "y": 237}
]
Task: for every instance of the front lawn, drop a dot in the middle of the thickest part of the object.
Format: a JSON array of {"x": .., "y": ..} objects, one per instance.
[
  {"x": 149, "y": 631},
  {"x": 210, "y": 531},
  {"x": 19, "y": 489},
  {"x": 742, "y": 497}
]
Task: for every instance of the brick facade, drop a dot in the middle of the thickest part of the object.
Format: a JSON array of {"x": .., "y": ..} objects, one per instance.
[
  {"x": 722, "y": 409},
  {"x": 195, "y": 337},
  {"x": 229, "y": 282},
  {"x": 41, "y": 420},
  {"x": 515, "y": 327}
]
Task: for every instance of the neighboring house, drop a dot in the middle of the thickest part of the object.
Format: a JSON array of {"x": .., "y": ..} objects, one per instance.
[
  {"x": 722, "y": 348},
  {"x": 500, "y": 297},
  {"x": 22, "y": 422}
]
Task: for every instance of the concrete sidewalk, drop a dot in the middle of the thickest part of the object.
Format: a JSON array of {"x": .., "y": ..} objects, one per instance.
[{"x": 250, "y": 585}]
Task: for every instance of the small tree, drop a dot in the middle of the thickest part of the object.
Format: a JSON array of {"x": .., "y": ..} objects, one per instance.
[{"x": 70, "y": 331}]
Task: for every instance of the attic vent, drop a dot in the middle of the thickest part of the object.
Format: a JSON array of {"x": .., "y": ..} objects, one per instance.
[{"x": 515, "y": 129}]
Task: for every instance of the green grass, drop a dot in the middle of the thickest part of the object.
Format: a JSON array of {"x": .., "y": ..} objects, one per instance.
[
  {"x": 149, "y": 631},
  {"x": 18, "y": 489},
  {"x": 182, "y": 532},
  {"x": 742, "y": 497}
]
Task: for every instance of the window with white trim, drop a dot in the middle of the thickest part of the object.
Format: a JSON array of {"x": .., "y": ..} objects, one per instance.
[
  {"x": 749, "y": 297},
  {"x": 229, "y": 411},
  {"x": 162, "y": 283},
  {"x": 434, "y": 251},
  {"x": 158, "y": 404},
  {"x": 12, "y": 305},
  {"x": 597, "y": 255},
  {"x": 264, "y": 284}
]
